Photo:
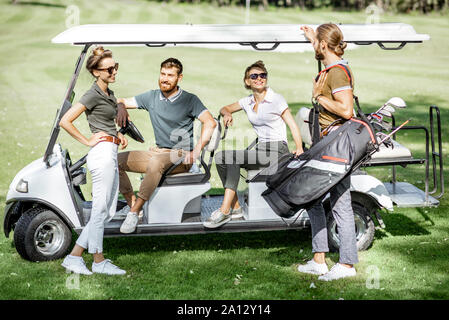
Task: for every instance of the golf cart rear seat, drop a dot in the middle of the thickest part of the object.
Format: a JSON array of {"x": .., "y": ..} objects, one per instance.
[{"x": 397, "y": 154}]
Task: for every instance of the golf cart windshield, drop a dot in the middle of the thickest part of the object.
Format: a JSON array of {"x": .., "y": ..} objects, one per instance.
[{"x": 259, "y": 37}]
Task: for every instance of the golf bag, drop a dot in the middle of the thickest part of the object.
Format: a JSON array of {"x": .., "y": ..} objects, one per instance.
[{"x": 299, "y": 182}]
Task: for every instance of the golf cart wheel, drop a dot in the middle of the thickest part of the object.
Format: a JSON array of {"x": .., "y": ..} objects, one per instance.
[
  {"x": 40, "y": 235},
  {"x": 364, "y": 229}
]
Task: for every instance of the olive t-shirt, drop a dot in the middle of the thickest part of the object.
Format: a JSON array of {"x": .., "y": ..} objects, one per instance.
[
  {"x": 101, "y": 110},
  {"x": 337, "y": 80}
]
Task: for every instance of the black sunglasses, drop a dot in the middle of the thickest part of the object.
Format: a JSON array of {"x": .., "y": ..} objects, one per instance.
[
  {"x": 111, "y": 69},
  {"x": 254, "y": 76}
]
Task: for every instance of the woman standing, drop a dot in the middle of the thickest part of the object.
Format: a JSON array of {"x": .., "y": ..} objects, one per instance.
[
  {"x": 268, "y": 113},
  {"x": 333, "y": 91},
  {"x": 100, "y": 106}
]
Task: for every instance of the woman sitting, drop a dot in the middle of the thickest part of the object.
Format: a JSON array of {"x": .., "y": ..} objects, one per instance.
[{"x": 268, "y": 113}]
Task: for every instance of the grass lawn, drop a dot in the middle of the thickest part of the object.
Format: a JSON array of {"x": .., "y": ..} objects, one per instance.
[{"x": 408, "y": 259}]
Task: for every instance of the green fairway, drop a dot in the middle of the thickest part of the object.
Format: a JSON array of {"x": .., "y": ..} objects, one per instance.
[{"x": 408, "y": 259}]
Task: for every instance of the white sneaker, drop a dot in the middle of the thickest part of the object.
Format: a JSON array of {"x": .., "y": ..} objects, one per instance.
[
  {"x": 106, "y": 267},
  {"x": 75, "y": 264},
  {"x": 216, "y": 219},
  {"x": 337, "y": 272},
  {"x": 313, "y": 267},
  {"x": 130, "y": 223},
  {"x": 122, "y": 213},
  {"x": 237, "y": 213}
]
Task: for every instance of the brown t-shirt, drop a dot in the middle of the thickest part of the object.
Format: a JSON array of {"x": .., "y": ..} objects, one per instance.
[{"x": 337, "y": 80}]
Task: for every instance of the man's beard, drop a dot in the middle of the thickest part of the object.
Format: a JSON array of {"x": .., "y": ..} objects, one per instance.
[
  {"x": 170, "y": 88},
  {"x": 319, "y": 54}
]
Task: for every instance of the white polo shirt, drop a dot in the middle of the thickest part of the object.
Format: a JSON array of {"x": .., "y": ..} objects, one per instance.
[{"x": 267, "y": 121}]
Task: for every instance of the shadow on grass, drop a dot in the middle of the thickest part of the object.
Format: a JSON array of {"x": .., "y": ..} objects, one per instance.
[
  {"x": 216, "y": 241},
  {"x": 400, "y": 225}
]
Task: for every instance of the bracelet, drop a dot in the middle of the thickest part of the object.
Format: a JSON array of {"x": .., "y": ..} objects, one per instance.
[{"x": 316, "y": 98}]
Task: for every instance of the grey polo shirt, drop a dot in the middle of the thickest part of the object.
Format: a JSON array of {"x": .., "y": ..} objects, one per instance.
[
  {"x": 101, "y": 110},
  {"x": 172, "y": 118}
]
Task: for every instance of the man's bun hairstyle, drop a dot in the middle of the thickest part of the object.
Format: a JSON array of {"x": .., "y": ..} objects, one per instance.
[{"x": 333, "y": 36}]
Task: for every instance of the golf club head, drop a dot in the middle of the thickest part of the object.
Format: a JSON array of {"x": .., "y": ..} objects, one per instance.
[
  {"x": 396, "y": 102},
  {"x": 386, "y": 125},
  {"x": 376, "y": 116},
  {"x": 386, "y": 140},
  {"x": 386, "y": 113}
]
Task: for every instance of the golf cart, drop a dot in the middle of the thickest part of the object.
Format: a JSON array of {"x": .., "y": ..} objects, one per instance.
[{"x": 45, "y": 201}]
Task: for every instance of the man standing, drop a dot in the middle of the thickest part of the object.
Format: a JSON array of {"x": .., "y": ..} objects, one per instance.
[
  {"x": 333, "y": 92},
  {"x": 172, "y": 112}
]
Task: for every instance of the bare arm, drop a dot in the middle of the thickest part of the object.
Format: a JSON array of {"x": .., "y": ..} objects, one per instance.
[
  {"x": 309, "y": 33},
  {"x": 130, "y": 103},
  {"x": 288, "y": 118},
  {"x": 227, "y": 112},
  {"x": 67, "y": 123},
  {"x": 208, "y": 126}
]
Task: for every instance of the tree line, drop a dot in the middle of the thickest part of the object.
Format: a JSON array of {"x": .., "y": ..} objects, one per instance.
[{"x": 402, "y": 6}]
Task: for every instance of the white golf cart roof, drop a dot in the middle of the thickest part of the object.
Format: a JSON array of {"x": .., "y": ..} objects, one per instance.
[
  {"x": 258, "y": 36},
  {"x": 251, "y": 34}
]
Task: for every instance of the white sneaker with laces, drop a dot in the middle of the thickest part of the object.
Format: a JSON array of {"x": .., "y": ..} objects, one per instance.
[
  {"x": 313, "y": 267},
  {"x": 75, "y": 264},
  {"x": 122, "y": 213},
  {"x": 106, "y": 267},
  {"x": 216, "y": 219},
  {"x": 337, "y": 272},
  {"x": 130, "y": 223}
]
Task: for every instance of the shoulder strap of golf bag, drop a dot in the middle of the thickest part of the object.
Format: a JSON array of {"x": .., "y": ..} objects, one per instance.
[{"x": 314, "y": 125}]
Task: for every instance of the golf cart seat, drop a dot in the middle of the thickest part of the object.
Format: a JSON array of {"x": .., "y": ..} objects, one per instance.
[
  {"x": 202, "y": 174},
  {"x": 395, "y": 154}
]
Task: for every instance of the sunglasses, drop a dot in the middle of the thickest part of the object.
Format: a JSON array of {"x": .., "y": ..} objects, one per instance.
[
  {"x": 254, "y": 76},
  {"x": 111, "y": 69}
]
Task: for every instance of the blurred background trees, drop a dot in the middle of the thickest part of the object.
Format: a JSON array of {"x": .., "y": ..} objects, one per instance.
[{"x": 402, "y": 6}]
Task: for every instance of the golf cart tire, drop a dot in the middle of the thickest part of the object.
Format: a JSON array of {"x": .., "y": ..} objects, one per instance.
[
  {"x": 40, "y": 235},
  {"x": 364, "y": 229}
]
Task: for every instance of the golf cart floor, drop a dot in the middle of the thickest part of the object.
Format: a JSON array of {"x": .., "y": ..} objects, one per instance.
[
  {"x": 192, "y": 222},
  {"x": 209, "y": 204},
  {"x": 406, "y": 195}
]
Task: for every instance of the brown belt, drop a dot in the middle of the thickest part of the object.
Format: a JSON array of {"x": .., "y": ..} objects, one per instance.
[{"x": 111, "y": 139}]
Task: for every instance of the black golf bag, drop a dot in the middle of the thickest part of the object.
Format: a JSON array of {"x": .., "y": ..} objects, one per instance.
[{"x": 299, "y": 182}]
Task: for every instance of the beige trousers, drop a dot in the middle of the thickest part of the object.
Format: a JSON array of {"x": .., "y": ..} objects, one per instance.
[{"x": 153, "y": 163}]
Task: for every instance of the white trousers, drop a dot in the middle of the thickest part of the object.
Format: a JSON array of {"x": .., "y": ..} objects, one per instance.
[{"x": 103, "y": 167}]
